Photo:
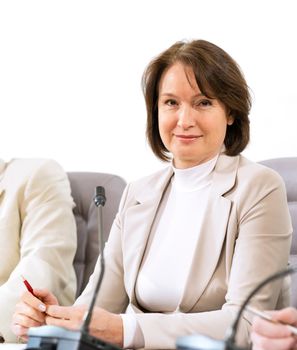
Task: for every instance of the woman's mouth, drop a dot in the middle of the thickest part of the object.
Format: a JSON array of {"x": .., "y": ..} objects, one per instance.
[{"x": 188, "y": 138}]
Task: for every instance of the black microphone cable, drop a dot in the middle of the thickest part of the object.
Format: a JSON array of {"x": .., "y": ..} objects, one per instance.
[
  {"x": 231, "y": 334},
  {"x": 201, "y": 342}
]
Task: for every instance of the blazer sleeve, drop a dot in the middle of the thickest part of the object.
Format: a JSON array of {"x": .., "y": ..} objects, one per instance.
[{"x": 47, "y": 241}]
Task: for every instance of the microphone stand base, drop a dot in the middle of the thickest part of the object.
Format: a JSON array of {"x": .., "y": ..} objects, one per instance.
[
  {"x": 202, "y": 342},
  {"x": 58, "y": 338}
]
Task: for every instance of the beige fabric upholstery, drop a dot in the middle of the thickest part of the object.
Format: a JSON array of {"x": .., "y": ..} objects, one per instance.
[
  {"x": 83, "y": 186},
  {"x": 287, "y": 168}
]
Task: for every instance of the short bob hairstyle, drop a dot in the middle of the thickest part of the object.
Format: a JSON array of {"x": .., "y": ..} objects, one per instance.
[{"x": 217, "y": 76}]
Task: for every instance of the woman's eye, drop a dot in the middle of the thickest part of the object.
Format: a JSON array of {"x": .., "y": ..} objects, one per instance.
[
  {"x": 203, "y": 103},
  {"x": 170, "y": 102}
]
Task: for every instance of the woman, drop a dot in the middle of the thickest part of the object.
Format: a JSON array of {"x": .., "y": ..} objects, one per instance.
[{"x": 190, "y": 241}]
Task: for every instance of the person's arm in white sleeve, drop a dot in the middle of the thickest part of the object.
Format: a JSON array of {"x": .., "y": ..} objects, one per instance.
[
  {"x": 133, "y": 337},
  {"x": 47, "y": 240}
]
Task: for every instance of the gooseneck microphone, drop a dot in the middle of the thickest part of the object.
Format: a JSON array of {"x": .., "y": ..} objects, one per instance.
[
  {"x": 99, "y": 201},
  {"x": 202, "y": 342},
  {"x": 59, "y": 338}
]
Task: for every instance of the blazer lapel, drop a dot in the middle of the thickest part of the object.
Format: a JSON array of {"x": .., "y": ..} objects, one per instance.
[
  {"x": 138, "y": 221},
  {"x": 213, "y": 232}
]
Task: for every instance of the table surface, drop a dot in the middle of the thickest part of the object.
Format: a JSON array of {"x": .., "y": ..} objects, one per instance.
[{"x": 12, "y": 346}]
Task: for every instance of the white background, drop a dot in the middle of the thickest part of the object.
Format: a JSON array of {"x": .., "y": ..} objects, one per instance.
[{"x": 70, "y": 75}]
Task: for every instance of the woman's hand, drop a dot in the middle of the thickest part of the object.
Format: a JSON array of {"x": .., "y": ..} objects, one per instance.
[
  {"x": 104, "y": 325},
  {"x": 30, "y": 311},
  {"x": 272, "y": 336}
]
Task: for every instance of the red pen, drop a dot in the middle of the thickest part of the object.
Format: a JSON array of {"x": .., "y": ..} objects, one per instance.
[{"x": 28, "y": 285}]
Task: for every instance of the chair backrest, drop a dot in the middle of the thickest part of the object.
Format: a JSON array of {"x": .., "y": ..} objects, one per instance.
[
  {"x": 287, "y": 168},
  {"x": 83, "y": 186}
]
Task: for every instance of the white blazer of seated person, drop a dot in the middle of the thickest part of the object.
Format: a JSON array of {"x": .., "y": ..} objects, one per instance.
[{"x": 37, "y": 234}]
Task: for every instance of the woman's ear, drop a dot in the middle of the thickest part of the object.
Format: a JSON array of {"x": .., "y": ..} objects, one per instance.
[{"x": 230, "y": 120}]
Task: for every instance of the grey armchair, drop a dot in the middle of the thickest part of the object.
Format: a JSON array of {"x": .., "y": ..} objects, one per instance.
[
  {"x": 287, "y": 168},
  {"x": 83, "y": 186}
]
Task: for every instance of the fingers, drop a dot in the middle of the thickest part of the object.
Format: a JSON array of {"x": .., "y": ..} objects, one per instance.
[
  {"x": 29, "y": 312},
  {"x": 264, "y": 343},
  {"x": 20, "y": 332},
  {"x": 45, "y": 296},
  {"x": 72, "y": 324},
  {"x": 26, "y": 322},
  {"x": 287, "y": 315},
  {"x": 22, "y": 322},
  {"x": 267, "y": 335},
  {"x": 65, "y": 312},
  {"x": 270, "y": 329},
  {"x": 65, "y": 316},
  {"x": 33, "y": 301}
]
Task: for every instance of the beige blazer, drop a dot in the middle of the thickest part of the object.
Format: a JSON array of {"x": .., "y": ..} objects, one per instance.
[
  {"x": 245, "y": 236},
  {"x": 37, "y": 233}
]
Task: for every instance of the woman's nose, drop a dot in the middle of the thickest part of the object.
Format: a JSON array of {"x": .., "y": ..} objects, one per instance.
[{"x": 185, "y": 117}]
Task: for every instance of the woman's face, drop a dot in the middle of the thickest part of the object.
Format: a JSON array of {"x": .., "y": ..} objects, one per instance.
[{"x": 192, "y": 126}]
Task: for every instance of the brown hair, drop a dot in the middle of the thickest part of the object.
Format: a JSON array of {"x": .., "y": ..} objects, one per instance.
[{"x": 217, "y": 76}]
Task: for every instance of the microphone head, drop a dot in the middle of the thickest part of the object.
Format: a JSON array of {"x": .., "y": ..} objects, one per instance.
[{"x": 99, "y": 198}]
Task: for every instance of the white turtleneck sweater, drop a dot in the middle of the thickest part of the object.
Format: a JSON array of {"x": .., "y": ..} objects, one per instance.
[{"x": 171, "y": 246}]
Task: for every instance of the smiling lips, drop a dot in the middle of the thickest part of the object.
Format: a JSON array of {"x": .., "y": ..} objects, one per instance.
[{"x": 188, "y": 138}]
